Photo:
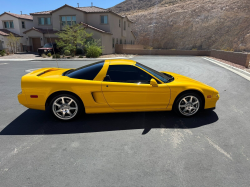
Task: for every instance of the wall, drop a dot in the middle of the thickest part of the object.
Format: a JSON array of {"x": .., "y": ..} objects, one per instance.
[
  {"x": 94, "y": 19},
  {"x": 7, "y": 17},
  {"x": 66, "y": 11},
  {"x": 138, "y": 49},
  {"x": 237, "y": 58}
]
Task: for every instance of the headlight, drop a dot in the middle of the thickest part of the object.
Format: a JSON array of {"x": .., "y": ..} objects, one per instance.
[{"x": 45, "y": 50}]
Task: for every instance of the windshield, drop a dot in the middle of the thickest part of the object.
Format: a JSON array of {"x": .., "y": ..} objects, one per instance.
[
  {"x": 157, "y": 74},
  {"x": 48, "y": 45}
]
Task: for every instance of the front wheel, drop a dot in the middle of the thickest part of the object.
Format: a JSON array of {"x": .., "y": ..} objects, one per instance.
[
  {"x": 65, "y": 107},
  {"x": 188, "y": 104}
]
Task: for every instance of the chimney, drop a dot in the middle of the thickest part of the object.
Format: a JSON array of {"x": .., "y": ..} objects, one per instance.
[
  {"x": 21, "y": 13},
  {"x": 91, "y": 4},
  {"x": 78, "y": 5}
]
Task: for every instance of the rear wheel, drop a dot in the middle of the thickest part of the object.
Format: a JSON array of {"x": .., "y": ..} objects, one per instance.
[
  {"x": 65, "y": 107},
  {"x": 188, "y": 104}
]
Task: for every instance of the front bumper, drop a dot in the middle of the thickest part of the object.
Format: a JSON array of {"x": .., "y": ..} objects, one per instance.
[{"x": 211, "y": 102}]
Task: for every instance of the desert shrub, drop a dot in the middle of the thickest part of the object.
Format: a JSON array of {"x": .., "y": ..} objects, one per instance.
[
  {"x": 49, "y": 54},
  {"x": 67, "y": 52},
  {"x": 58, "y": 55},
  {"x": 147, "y": 47},
  {"x": 2, "y": 53},
  {"x": 93, "y": 49},
  {"x": 93, "y": 52},
  {"x": 43, "y": 55},
  {"x": 80, "y": 56},
  {"x": 79, "y": 51}
]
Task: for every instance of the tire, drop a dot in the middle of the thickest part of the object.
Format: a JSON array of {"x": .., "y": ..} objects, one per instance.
[
  {"x": 65, "y": 107},
  {"x": 187, "y": 107}
]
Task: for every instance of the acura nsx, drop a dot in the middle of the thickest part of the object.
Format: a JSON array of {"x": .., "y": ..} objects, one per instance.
[{"x": 113, "y": 86}]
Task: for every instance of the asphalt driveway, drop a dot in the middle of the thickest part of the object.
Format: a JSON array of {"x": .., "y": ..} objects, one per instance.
[{"x": 128, "y": 149}]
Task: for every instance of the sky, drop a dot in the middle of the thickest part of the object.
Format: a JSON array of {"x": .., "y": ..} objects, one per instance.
[{"x": 30, "y": 6}]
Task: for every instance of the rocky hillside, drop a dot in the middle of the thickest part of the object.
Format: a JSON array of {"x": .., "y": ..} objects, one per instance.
[{"x": 190, "y": 24}]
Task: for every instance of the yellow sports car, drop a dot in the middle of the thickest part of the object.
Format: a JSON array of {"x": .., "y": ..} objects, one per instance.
[{"x": 113, "y": 86}]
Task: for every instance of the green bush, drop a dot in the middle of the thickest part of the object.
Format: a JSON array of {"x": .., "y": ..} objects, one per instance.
[
  {"x": 2, "y": 53},
  {"x": 80, "y": 56},
  {"x": 67, "y": 52},
  {"x": 43, "y": 55},
  {"x": 54, "y": 56},
  {"x": 49, "y": 54},
  {"x": 93, "y": 51},
  {"x": 79, "y": 51},
  {"x": 72, "y": 55},
  {"x": 58, "y": 55}
]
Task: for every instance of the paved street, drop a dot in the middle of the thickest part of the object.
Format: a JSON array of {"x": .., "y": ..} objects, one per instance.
[{"x": 128, "y": 149}]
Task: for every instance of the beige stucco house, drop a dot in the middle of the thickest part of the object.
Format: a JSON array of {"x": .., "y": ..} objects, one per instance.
[
  {"x": 15, "y": 24},
  {"x": 108, "y": 27}
]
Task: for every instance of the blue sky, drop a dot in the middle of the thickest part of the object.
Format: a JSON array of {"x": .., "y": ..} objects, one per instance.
[{"x": 30, "y": 6}]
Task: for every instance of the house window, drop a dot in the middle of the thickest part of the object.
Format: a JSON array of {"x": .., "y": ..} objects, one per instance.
[
  {"x": 116, "y": 40},
  {"x": 104, "y": 19},
  {"x": 131, "y": 42},
  {"x": 23, "y": 24},
  {"x": 124, "y": 25},
  {"x": 125, "y": 41},
  {"x": 8, "y": 24},
  {"x": 119, "y": 23},
  {"x": 120, "y": 41},
  {"x": 113, "y": 43},
  {"x": 68, "y": 20},
  {"x": 44, "y": 21}
]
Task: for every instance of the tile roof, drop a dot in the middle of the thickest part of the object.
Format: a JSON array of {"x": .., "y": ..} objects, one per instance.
[
  {"x": 94, "y": 28},
  {"x": 44, "y": 31},
  {"x": 21, "y": 16},
  {"x": 5, "y": 32},
  {"x": 43, "y": 12},
  {"x": 92, "y": 9}
]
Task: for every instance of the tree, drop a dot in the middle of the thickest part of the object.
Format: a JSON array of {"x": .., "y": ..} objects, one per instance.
[
  {"x": 13, "y": 42},
  {"x": 72, "y": 37}
]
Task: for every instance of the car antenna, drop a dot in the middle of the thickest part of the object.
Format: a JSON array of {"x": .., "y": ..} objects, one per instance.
[{"x": 52, "y": 46}]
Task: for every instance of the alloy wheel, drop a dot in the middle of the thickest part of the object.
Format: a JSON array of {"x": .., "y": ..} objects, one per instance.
[
  {"x": 65, "y": 108},
  {"x": 189, "y": 105}
]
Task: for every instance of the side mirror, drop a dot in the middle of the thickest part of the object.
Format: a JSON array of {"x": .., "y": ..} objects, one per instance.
[{"x": 153, "y": 83}]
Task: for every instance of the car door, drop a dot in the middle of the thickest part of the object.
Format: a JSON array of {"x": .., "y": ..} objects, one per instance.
[{"x": 127, "y": 87}]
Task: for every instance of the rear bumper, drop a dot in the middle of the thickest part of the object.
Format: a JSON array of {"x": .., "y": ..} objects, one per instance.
[{"x": 22, "y": 99}]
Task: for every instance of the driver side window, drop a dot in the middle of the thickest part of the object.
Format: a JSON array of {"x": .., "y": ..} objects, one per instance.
[{"x": 127, "y": 74}]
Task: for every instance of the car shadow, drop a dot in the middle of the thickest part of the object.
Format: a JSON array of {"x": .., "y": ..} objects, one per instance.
[{"x": 34, "y": 122}]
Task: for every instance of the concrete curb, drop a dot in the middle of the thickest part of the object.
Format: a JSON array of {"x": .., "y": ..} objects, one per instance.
[
  {"x": 78, "y": 59},
  {"x": 237, "y": 71}
]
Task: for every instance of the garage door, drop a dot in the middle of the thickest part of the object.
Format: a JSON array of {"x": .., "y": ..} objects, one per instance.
[
  {"x": 36, "y": 44},
  {"x": 51, "y": 40}
]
